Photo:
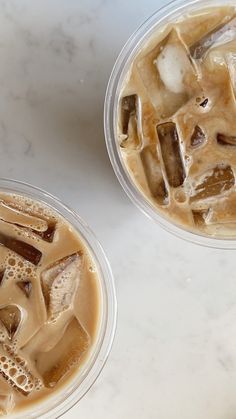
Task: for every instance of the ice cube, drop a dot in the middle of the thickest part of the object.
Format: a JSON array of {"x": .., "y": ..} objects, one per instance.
[
  {"x": 128, "y": 109},
  {"x": 231, "y": 64},
  {"x": 204, "y": 103},
  {"x": 199, "y": 217},
  {"x": 168, "y": 74},
  {"x": 223, "y": 139},
  {"x": 222, "y": 215},
  {"x": 171, "y": 154},
  {"x": 2, "y": 272},
  {"x": 68, "y": 353},
  {"x": 21, "y": 219},
  {"x": 23, "y": 249},
  {"x": 14, "y": 214},
  {"x": 173, "y": 57},
  {"x": 222, "y": 34},
  {"x": 48, "y": 234},
  {"x": 130, "y": 121},
  {"x": 215, "y": 182},
  {"x": 153, "y": 172},
  {"x": 223, "y": 211},
  {"x": 59, "y": 284},
  {"x": 6, "y": 404},
  {"x": 15, "y": 371},
  {"x": 198, "y": 137},
  {"x": 26, "y": 287},
  {"x": 10, "y": 318}
]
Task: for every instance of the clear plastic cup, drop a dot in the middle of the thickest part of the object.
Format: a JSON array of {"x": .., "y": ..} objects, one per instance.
[
  {"x": 65, "y": 398},
  {"x": 163, "y": 16}
]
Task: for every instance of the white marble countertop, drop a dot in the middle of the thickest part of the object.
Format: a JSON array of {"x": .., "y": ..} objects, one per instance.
[{"x": 174, "y": 355}]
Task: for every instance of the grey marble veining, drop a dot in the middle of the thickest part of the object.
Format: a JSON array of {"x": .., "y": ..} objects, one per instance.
[{"x": 174, "y": 355}]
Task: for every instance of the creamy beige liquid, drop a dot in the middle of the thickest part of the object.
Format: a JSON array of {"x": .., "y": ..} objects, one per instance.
[
  {"x": 177, "y": 121},
  {"x": 49, "y": 302}
]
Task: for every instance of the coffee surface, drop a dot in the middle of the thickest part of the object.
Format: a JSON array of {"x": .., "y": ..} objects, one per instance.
[
  {"x": 49, "y": 302},
  {"x": 176, "y": 121}
]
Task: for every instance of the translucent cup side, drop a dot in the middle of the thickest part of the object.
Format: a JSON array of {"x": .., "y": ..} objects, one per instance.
[
  {"x": 168, "y": 13},
  {"x": 63, "y": 400}
]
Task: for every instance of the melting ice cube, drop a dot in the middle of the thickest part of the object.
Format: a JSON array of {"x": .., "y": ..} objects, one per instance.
[
  {"x": 215, "y": 182},
  {"x": 153, "y": 172},
  {"x": 199, "y": 217},
  {"x": 16, "y": 216},
  {"x": 222, "y": 34},
  {"x": 23, "y": 249},
  {"x": 2, "y": 272},
  {"x": 59, "y": 284},
  {"x": 173, "y": 65},
  {"x": 198, "y": 137},
  {"x": 26, "y": 287},
  {"x": 168, "y": 74},
  {"x": 54, "y": 364},
  {"x": 10, "y": 318},
  {"x": 171, "y": 154},
  {"x": 130, "y": 121},
  {"x": 223, "y": 139},
  {"x": 6, "y": 404},
  {"x": 128, "y": 109},
  {"x": 230, "y": 59}
]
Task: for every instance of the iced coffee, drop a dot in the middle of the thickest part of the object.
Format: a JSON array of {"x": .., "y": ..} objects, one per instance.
[
  {"x": 177, "y": 121},
  {"x": 49, "y": 302}
]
